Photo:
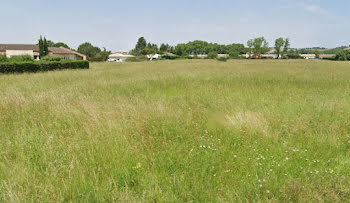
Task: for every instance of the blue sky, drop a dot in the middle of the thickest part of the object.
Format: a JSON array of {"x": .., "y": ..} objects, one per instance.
[{"x": 116, "y": 24}]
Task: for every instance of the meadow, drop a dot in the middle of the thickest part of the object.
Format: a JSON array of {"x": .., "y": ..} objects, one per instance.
[{"x": 177, "y": 131}]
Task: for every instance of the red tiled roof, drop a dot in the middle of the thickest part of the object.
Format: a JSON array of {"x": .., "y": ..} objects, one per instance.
[{"x": 4, "y": 47}]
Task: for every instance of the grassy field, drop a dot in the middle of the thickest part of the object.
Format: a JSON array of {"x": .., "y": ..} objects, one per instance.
[{"x": 177, "y": 131}]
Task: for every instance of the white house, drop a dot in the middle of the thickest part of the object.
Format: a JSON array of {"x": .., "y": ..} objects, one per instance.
[
  {"x": 119, "y": 56},
  {"x": 308, "y": 56},
  {"x": 154, "y": 56}
]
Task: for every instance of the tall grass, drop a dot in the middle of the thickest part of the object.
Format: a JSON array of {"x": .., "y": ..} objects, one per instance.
[{"x": 177, "y": 131}]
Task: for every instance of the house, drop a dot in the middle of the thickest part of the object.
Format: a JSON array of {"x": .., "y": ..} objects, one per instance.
[
  {"x": 324, "y": 56},
  {"x": 170, "y": 54},
  {"x": 223, "y": 56},
  {"x": 308, "y": 56},
  {"x": 269, "y": 55},
  {"x": 11, "y": 50},
  {"x": 66, "y": 53},
  {"x": 153, "y": 56},
  {"x": 200, "y": 56},
  {"x": 119, "y": 56}
]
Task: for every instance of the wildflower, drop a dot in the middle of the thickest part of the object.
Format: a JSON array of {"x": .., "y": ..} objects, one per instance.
[
  {"x": 138, "y": 165},
  {"x": 268, "y": 191}
]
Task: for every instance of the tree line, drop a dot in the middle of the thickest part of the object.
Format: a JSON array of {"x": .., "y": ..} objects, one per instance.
[{"x": 254, "y": 48}]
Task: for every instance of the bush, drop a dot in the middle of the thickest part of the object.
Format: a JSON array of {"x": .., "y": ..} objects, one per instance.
[
  {"x": 52, "y": 58},
  {"x": 234, "y": 55},
  {"x": 294, "y": 56},
  {"x": 223, "y": 59},
  {"x": 343, "y": 56},
  {"x": 212, "y": 55},
  {"x": 3, "y": 59},
  {"x": 170, "y": 57},
  {"x": 267, "y": 57},
  {"x": 137, "y": 59},
  {"x": 21, "y": 67},
  {"x": 332, "y": 58},
  {"x": 23, "y": 58}
]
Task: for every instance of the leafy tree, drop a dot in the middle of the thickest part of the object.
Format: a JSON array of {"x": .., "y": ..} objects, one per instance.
[
  {"x": 148, "y": 50},
  {"x": 343, "y": 55},
  {"x": 61, "y": 44},
  {"x": 165, "y": 48},
  {"x": 102, "y": 56},
  {"x": 201, "y": 47},
  {"x": 279, "y": 43},
  {"x": 286, "y": 47},
  {"x": 317, "y": 53},
  {"x": 234, "y": 54},
  {"x": 89, "y": 50},
  {"x": 212, "y": 55},
  {"x": 260, "y": 46},
  {"x": 250, "y": 45},
  {"x": 50, "y": 43}
]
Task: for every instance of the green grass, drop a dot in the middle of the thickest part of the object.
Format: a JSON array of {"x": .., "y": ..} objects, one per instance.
[{"x": 177, "y": 131}]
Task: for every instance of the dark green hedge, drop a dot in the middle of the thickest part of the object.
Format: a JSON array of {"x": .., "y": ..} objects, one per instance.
[{"x": 41, "y": 66}]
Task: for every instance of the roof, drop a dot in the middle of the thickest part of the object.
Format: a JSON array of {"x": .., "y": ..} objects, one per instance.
[
  {"x": 308, "y": 55},
  {"x": 71, "y": 52},
  {"x": 56, "y": 50},
  {"x": 35, "y": 48},
  {"x": 327, "y": 55},
  {"x": 223, "y": 55},
  {"x": 4, "y": 47},
  {"x": 169, "y": 54},
  {"x": 118, "y": 55}
]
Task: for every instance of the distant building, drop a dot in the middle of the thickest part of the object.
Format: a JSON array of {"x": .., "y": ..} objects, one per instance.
[
  {"x": 119, "y": 56},
  {"x": 323, "y": 56},
  {"x": 269, "y": 55},
  {"x": 223, "y": 56},
  {"x": 201, "y": 56},
  {"x": 169, "y": 54},
  {"x": 308, "y": 56},
  {"x": 11, "y": 50},
  {"x": 153, "y": 56}
]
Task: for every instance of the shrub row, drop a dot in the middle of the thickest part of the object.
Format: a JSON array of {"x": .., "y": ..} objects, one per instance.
[{"x": 41, "y": 66}]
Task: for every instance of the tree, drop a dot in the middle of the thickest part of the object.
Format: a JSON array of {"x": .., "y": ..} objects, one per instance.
[
  {"x": 46, "y": 47},
  {"x": 61, "y": 44},
  {"x": 286, "y": 47},
  {"x": 250, "y": 44},
  {"x": 43, "y": 47},
  {"x": 260, "y": 46},
  {"x": 212, "y": 55},
  {"x": 140, "y": 46},
  {"x": 279, "y": 43},
  {"x": 89, "y": 50},
  {"x": 50, "y": 43},
  {"x": 317, "y": 53},
  {"x": 102, "y": 56},
  {"x": 165, "y": 48}
]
